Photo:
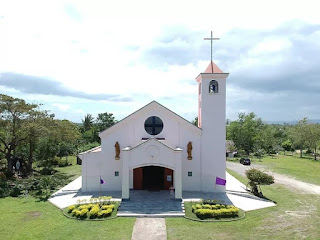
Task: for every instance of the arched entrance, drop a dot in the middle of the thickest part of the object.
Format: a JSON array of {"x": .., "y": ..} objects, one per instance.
[{"x": 152, "y": 178}]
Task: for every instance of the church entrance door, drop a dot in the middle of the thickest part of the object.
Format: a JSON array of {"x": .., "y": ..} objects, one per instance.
[{"x": 152, "y": 178}]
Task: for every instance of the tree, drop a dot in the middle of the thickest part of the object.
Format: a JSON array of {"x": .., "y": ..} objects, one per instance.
[
  {"x": 313, "y": 140},
  {"x": 87, "y": 122},
  {"x": 245, "y": 131},
  {"x": 15, "y": 115},
  {"x": 287, "y": 146},
  {"x": 299, "y": 134},
  {"x": 195, "y": 121},
  {"x": 256, "y": 178},
  {"x": 105, "y": 120}
]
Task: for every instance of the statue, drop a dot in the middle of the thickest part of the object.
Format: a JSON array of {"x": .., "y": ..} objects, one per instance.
[
  {"x": 117, "y": 148},
  {"x": 189, "y": 150}
]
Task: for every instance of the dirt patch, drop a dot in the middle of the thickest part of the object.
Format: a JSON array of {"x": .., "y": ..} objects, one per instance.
[
  {"x": 291, "y": 183},
  {"x": 29, "y": 216}
]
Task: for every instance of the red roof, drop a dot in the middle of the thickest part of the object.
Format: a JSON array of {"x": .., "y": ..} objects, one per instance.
[{"x": 213, "y": 68}]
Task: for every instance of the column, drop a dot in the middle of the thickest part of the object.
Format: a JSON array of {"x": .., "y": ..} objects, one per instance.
[
  {"x": 178, "y": 173},
  {"x": 125, "y": 173}
]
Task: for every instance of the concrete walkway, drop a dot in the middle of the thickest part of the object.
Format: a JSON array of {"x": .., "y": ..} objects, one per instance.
[
  {"x": 149, "y": 229},
  {"x": 71, "y": 193},
  {"x": 235, "y": 195}
]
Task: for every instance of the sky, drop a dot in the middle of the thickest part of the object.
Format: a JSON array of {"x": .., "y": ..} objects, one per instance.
[{"x": 79, "y": 57}]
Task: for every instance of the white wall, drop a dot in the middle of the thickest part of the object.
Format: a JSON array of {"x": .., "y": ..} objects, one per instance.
[
  {"x": 213, "y": 149},
  {"x": 129, "y": 132}
]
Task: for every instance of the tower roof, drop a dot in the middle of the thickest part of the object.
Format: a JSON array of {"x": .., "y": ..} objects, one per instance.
[{"x": 213, "y": 68}]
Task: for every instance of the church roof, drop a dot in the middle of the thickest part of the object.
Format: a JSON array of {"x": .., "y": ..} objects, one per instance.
[
  {"x": 213, "y": 68},
  {"x": 156, "y": 140},
  {"x": 146, "y": 106}
]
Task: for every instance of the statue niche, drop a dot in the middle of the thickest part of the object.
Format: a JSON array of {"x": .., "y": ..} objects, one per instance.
[
  {"x": 189, "y": 150},
  {"x": 117, "y": 150}
]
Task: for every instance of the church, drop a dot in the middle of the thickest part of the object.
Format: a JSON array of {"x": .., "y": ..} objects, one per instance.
[{"x": 156, "y": 149}]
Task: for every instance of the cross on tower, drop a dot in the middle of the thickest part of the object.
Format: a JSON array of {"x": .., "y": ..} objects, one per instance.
[{"x": 211, "y": 38}]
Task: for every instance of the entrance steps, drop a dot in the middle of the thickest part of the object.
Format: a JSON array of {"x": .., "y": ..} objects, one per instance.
[{"x": 144, "y": 203}]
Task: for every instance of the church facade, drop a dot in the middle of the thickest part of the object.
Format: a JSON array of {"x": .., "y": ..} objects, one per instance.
[{"x": 156, "y": 149}]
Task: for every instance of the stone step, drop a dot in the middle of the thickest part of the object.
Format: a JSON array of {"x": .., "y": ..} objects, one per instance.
[{"x": 152, "y": 215}]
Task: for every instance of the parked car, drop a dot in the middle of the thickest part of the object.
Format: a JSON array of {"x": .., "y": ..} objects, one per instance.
[{"x": 245, "y": 161}]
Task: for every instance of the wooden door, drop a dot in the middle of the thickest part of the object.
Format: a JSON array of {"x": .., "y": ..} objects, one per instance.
[
  {"x": 138, "y": 178},
  {"x": 168, "y": 178}
]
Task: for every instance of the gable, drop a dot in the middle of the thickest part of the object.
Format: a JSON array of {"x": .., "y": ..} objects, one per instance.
[{"x": 153, "y": 108}]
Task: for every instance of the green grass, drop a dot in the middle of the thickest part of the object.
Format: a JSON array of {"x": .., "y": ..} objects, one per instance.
[
  {"x": 304, "y": 169},
  {"x": 42, "y": 220},
  {"x": 74, "y": 170},
  {"x": 38, "y": 219},
  {"x": 296, "y": 216}
]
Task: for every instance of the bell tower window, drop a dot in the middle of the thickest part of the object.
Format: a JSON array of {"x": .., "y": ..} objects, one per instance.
[{"x": 213, "y": 86}]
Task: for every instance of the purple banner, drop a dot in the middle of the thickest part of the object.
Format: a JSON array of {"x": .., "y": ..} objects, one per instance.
[
  {"x": 220, "y": 181},
  {"x": 102, "y": 181}
]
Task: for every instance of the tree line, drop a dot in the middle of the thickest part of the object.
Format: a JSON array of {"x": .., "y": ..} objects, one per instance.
[
  {"x": 29, "y": 134},
  {"x": 251, "y": 135}
]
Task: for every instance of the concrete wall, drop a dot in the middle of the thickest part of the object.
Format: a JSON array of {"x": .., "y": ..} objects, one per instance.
[
  {"x": 129, "y": 132},
  {"x": 213, "y": 148}
]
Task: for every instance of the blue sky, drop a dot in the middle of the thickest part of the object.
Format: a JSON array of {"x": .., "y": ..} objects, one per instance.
[{"x": 78, "y": 57}]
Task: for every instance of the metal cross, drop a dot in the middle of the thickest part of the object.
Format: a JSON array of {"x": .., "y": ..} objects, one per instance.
[{"x": 211, "y": 38}]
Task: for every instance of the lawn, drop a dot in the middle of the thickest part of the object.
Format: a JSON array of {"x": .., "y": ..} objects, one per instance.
[
  {"x": 36, "y": 219},
  {"x": 304, "y": 169},
  {"x": 73, "y": 171},
  {"x": 297, "y": 216},
  {"x": 41, "y": 220}
]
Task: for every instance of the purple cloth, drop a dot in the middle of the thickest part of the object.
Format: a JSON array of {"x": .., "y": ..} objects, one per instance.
[
  {"x": 220, "y": 181},
  {"x": 102, "y": 181}
]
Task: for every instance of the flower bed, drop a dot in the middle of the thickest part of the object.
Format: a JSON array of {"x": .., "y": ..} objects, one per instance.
[
  {"x": 209, "y": 210},
  {"x": 95, "y": 210}
]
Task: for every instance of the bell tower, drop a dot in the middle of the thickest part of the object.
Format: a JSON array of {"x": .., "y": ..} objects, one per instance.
[{"x": 212, "y": 121}]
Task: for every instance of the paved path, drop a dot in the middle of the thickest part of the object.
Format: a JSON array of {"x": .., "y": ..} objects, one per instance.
[
  {"x": 149, "y": 229},
  {"x": 155, "y": 203},
  {"x": 235, "y": 194},
  {"x": 71, "y": 193},
  {"x": 289, "y": 182}
]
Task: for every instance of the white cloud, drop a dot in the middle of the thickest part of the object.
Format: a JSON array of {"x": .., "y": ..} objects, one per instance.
[
  {"x": 87, "y": 46},
  {"x": 61, "y": 107}
]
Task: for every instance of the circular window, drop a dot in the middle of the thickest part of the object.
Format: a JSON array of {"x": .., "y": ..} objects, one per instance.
[{"x": 153, "y": 125}]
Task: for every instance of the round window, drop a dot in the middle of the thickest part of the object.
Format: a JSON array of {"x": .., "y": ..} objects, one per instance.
[{"x": 153, "y": 125}]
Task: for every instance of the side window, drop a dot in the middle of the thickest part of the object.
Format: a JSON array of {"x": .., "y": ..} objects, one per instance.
[{"x": 213, "y": 86}]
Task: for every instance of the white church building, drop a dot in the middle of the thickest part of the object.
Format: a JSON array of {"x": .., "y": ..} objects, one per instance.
[{"x": 156, "y": 149}]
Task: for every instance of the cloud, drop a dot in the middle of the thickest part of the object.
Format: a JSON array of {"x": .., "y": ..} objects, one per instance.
[
  {"x": 38, "y": 85},
  {"x": 61, "y": 107}
]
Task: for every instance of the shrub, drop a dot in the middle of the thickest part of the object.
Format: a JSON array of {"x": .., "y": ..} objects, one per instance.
[
  {"x": 104, "y": 207},
  {"x": 2, "y": 176},
  {"x": 256, "y": 177},
  {"x": 83, "y": 213},
  {"x": 83, "y": 207},
  {"x": 15, "y": 191},
  {"x": 71, "y": 208},
  {"x": 204, "y": 213},
  {"x": 104, "y": 213},
  {"x": 94, "y": 211},
  {"x": 206, "y": 206},
  {"x": 198, "y": 206},
  {"x": 216, "y": 206}
]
